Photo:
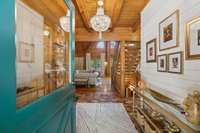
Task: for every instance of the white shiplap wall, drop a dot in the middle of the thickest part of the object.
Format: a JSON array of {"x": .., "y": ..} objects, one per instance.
[
  {"x": 29, "y": 29},
  {"x": 174, "y": 85}
]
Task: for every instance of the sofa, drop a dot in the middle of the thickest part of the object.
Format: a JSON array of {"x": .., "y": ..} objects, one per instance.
[{"x": 90, "y": 75}]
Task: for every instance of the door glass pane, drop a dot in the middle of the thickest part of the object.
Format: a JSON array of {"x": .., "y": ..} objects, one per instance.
[{"x": 42, "y": 48}]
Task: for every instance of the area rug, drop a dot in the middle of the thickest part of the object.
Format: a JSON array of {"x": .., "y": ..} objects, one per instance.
[{"x": 103, "y": 118}]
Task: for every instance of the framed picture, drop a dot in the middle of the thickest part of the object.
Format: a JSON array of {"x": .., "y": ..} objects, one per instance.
[
  {"x": 162, "y": 63},
  {"x": 26, "y": 52},
  {"x": 151, "y": 51},
  {"x": 169, "y": 32},
  {"x": 175, "y": 62},
  {"x": 193, "y": 39}
]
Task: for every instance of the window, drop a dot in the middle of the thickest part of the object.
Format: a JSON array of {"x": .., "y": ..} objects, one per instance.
[
  {"x": 96, "y": 64},
  {"x": 101, "y": 45},
  {"x": 113, "y": 44}
]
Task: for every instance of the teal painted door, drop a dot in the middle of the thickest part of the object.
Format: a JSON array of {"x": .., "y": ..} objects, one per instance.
[{"x": 54, "y": 113}]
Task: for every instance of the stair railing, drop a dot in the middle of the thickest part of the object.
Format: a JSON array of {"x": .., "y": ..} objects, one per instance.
[{"x": 115, "y": 63}]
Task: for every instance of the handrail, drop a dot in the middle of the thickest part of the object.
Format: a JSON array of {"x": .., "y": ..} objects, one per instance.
[{"x": 171, "y": 114}]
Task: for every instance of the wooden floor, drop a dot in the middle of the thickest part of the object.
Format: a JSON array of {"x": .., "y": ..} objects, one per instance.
[
  {"x": 103, "y": 118},
  {"x": 104, "y": 93}
]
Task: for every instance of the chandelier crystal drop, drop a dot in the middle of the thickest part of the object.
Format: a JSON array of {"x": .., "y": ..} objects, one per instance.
[{"x": 100, "y": 22}]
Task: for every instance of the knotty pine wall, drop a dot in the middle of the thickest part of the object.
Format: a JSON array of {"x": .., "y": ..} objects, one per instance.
[
  {"x": 174, "y": 85},
  {"x": 81, "y": 48}
]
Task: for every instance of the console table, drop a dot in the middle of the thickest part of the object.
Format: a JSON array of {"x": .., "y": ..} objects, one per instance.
[{"x": 154, "y": 116}]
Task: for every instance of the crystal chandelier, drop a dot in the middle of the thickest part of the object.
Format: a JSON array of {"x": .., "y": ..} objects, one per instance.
[
  {"x": 65, "y": 22},
  {"x": 100, "y": 22}
]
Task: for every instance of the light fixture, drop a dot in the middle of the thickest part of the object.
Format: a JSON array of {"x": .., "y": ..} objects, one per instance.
[
  {"x": 65, "y": 22},
  {"x": 46, "y": 32},
  {"x": 100, "y": 22},
  {"x": 105, "y": 63},
  {"x": 131, "y": 44},
  {"x": 100, "y": 2}
]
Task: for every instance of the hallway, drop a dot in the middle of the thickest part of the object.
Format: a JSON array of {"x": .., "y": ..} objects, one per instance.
[
  {"x": 100, "y": 66},
  {"x": 106, "y": 97}
]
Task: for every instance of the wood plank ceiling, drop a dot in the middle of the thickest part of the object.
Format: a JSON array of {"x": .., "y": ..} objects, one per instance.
[
  {"x": 51, "y": 10},
  {"x": 124, "y": 13}
]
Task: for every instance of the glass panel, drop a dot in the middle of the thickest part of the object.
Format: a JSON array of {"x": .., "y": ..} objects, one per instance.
[
  {"x": 101, "y": 45},
  {"x": 42, "y": 48},
  {"x": 113, "y": 44}
]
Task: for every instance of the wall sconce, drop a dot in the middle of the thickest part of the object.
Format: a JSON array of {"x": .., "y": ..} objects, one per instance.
[{"x": 46, "y": 33}]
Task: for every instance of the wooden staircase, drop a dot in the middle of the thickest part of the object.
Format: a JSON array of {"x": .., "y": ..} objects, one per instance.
[{"x": 126, "y": 60}]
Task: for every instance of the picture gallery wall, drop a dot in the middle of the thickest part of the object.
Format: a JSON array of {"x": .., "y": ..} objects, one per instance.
[{"x": 170, "y": 47}]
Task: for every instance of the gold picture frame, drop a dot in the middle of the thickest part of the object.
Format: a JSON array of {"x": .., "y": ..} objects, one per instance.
[
  {"x": 169, "y": 32},
  {"x": 26, "y": 52},
  {"x": 189, "y": 42},
  {"x": 151, "y": 48}
]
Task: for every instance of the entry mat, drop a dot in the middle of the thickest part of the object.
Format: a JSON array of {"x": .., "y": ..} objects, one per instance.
[{"x": 103, "y": 118}]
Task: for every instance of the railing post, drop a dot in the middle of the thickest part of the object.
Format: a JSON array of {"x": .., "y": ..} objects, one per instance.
[{"x": 122, "y": 69}]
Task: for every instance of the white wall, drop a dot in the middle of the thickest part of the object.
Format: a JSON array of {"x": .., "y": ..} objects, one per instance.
[
  {"x": 174, "y": 85},
  {"x": 29, "y": 29}
]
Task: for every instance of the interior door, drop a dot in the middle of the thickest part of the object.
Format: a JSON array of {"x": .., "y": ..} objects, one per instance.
[{"x": 36, "y": 88}]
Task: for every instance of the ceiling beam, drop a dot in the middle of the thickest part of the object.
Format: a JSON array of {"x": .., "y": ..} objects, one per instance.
[
  {"x": 136, "y": 25},
  {"x": 118, "y": 34},
  {"x": 116, "y": 12},
  {"x": 83, "y": 13},
  {"x": 54, "y": 8},
  {"x": 62, "y": 5}
]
